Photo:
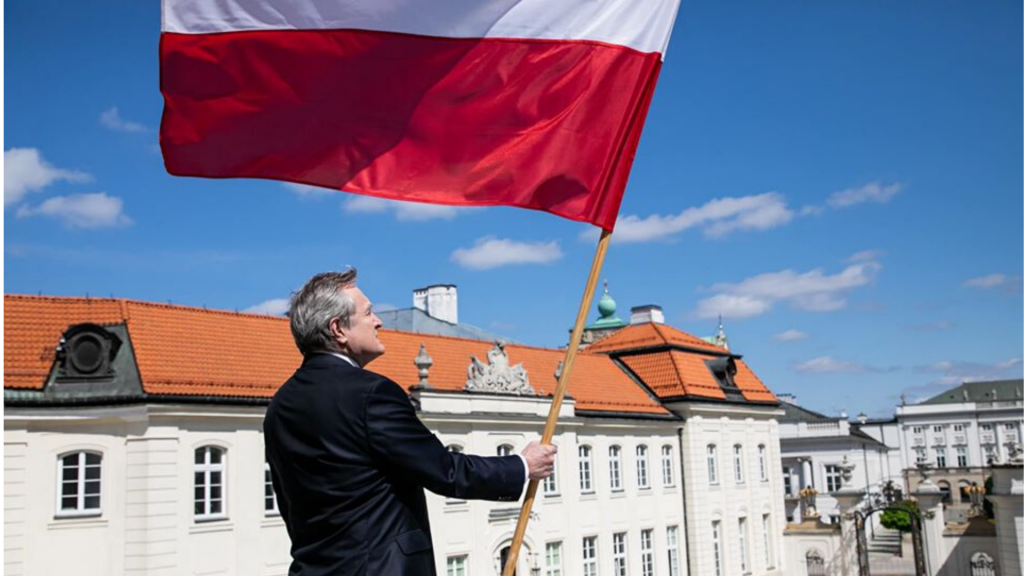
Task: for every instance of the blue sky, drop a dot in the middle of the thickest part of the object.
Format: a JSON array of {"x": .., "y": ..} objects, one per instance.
[{"x": 840, "y": 180}]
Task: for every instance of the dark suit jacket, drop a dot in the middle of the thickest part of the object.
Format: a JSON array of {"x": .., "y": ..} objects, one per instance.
[{"x": 349, "y": 460}]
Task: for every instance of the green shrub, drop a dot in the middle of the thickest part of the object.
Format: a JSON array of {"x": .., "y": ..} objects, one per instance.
[{"x": 897, "y": 516}]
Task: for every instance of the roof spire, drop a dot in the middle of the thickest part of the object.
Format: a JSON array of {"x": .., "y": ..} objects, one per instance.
[{"x": 721, "y": 339}]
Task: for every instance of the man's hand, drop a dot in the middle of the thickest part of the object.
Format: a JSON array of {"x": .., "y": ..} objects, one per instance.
[{"x": 540, "y": 459}]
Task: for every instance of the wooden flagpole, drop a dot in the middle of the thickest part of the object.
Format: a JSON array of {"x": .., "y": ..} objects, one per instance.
[{"x": 556, "y": 402}]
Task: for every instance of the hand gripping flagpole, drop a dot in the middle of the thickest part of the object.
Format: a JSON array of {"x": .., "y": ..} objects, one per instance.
[{"x": 556, "y": 402}]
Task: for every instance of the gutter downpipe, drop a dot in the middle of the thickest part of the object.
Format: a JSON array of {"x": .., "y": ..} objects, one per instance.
[{"x": 686, "y": 514}]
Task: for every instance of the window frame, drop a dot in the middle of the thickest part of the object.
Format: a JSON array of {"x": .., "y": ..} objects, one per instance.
[
  {"x": 737, "y": 463},
  {"x": 762, "y": 461},
  {"x": 716, "y": 547},
  {"x": 833, "y": 478},
  {"x": 647, "y": 552},
  {"x": 712, "y": 462},
  {"x": 207, "y": 468},
  {"x": 549, "y": 486},
  {"x": 668, "y": 467},
  {"x": 589, "y": 562},
  {"x": 766, "y": 524},
  {"x": 940, "y": 457},
  {"x": 455, "y": 562},
  {"x": 615, "y": 468},
  {"x": 505, "y": 449},
  {"x": 81, "y": 481},
  {"x": 586, "y": 468},
  {"x": 643, "y": 479},
  {"x": 268, "y": 483},
  {"x": 744, "y": 543},
  {"x": 549, "y": 569},
  {"x": 620, "y": 554},
  {"x": 961, "y": 457},
  {"x": 672, "y": 548}
]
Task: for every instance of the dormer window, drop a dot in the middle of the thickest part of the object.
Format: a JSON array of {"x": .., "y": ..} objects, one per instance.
[
  {"x": 87, "y": 352},
  {"x": 724, "y": 371}
]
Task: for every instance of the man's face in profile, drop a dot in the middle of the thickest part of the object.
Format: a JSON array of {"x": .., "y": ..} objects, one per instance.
[{"x": 361, "y": 342}]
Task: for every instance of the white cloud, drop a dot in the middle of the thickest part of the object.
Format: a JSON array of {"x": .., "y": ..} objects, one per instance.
[
  {"x": 957, "y": 372},
  {"x": 26, "y": 171},
  {"x": 111, "y": 118},
  {"x": 866, "y": 256},
  {"x": 873, "y": 192},
  {"x": 307, "y": 191},
  {"x": 716, "y": 218},
  {"x": 404, "y": 211},
  {"x": 990, "y": 281},
  {"x": 96, "y": 210},
  {"x": 272, "y": 307},
  {"x": 830, "y": 365},
  {"x": 811, "y": 291},
  {"x": 789, "y": 336},
  {"x": 490, "y": 252}
]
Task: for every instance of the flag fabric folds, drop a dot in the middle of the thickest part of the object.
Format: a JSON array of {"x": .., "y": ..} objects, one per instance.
[{"x": 530, "y": 103}]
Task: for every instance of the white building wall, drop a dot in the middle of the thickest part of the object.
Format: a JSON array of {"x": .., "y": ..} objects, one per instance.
[
  {"x": 15, "y": 504},
  {"x": 729, "y": 500}
]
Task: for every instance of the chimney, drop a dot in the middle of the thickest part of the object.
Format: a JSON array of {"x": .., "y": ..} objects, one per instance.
[
  {"x": 440, "y": 301},
  {"x": 645, "y": 314}
]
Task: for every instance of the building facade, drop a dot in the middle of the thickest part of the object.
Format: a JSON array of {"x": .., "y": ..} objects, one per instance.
[{"x": 133, "y": 444}]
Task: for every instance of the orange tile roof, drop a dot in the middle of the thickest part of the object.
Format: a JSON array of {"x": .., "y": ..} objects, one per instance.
[
  {"x": 650, "y": 335},
  {"x": 182, "y": 350}
]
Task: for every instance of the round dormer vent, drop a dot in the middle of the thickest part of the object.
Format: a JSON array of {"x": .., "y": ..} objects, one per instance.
[{"x": 88, "y": 351}]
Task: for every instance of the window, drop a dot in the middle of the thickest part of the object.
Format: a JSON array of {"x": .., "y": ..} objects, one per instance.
[
  {"x": 590, "y": 556},
  {"x": 737, "y": 462},
  {"x": 586, "y": 482},
  {"x": 961, "y": 457},
  {"x": 744, "y": 550},
  {"x": 918, "y": 429},
  {"x": 762, "y": 461},
  {"x": 990, "y": 454},
  {"x": 641, "y": 467},
  {"x": 269, "y": 498},
  {"x": 958, "y": 427},
  {"x": 505, "y": 450},
  {"x": 672, "y": 536},
  {"x": 937, "y": 429},
  {"x": 965, "y": 496},
  {"x": 716, "y": 546},
  {"x": 457, "y": 565},
  {"x": 551, "y": 482},
  {"x": 712, "y": 464},
  {"x": 667, "y": 466},
  {"x": 833, "y": 479},
  {"x": 456, "y": 449},
  {"x": 940, "y": 457},
  {"x": 919, "y": 455},
  {"x": 614, "y": 465},
  {"x": 787, "y": 481},
  {"x": 986, "y": 427},
  {"x": 79, "y": 488},
  {"x": 553, "y": 559},
  {"x": 766, "y": 527},
  {"x": 209, "y": 483},
  {"x": 647, "y": 552},
  {"x": 619, "y": 553}
]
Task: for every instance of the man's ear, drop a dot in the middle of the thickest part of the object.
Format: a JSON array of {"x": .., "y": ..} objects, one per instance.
[{"x": 339, "y": 332}]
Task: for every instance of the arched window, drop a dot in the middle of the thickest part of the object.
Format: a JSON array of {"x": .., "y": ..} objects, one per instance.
[
  {"x": 815, "y": 563},
  {"x": 982, "y": 565},
  {"x": 455, "y": 448},
  {"x": 965, "y": 496},
  {"x": 712, "y": 464},
  {"x": 269, "y": 498},
  {"x": 550, "y": 485},
  {"x": 762, "y": 461},
  {"x": 737, "y": 461},
  {"x": 505, "y": 450},
  {"x": 615, "y": 468},
  {"x": 209, "y": 483},
  {"x": 641, "y": 467},
  {"x": 946, "y": 496},
  {"x": 78, "y": 491},
  {"x": 668, "y": 477},
  {"x": 586, "y": 467}
]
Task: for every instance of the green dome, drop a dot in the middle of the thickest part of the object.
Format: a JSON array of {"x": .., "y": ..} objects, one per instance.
[{"x": 606, "y": 305}]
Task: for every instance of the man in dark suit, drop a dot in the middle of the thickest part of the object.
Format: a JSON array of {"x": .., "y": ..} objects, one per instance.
[{"x": 348, "y": 456}]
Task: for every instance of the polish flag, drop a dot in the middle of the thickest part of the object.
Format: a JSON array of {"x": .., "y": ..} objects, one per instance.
[{"x": 530, "y": 103}]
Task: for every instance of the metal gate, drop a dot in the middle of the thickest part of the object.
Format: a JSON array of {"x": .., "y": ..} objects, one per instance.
[{"x": 863, "y": 557}]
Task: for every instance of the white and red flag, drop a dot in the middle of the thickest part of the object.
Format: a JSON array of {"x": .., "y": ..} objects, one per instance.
[{"x": 530, "y": 103}]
